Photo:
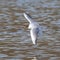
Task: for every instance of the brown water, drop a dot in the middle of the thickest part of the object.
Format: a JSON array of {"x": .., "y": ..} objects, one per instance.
[{"x": 15, "y": 41}]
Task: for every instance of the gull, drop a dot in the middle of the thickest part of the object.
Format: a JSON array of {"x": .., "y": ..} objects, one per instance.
[{"x": 34, "y": 27}]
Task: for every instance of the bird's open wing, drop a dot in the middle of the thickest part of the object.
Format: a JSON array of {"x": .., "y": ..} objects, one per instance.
[
  {"x": 28, "y": 17},
  {"x": 34, "y": 34}
]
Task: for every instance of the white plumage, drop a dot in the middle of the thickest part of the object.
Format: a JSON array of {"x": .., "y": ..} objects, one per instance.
[{"x": 34, "y": 27}]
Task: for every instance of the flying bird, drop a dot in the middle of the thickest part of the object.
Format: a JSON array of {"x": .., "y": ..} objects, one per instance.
[{"x": 34, "y": 27}]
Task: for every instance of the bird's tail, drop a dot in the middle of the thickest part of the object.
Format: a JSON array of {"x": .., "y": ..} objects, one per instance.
[{"x": 28, "y": 17}]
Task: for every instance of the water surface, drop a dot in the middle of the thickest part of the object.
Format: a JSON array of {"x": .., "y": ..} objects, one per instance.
[{"x": 15, "y": 41}]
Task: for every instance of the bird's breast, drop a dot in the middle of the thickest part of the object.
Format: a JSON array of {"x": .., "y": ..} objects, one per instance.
[{"x": 33, "y": 25}]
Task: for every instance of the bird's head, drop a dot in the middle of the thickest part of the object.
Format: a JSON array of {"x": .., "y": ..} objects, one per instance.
[
  {"x": 29, "y": 27},
  {"x": 32, "y": 25}
]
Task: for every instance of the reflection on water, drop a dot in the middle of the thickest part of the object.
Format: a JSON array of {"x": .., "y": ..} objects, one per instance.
[
  {"x": 34, "y": 58},
  {"x": 15, "y": 41}
]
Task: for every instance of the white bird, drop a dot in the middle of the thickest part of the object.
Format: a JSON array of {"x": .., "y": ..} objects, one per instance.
[{"x": 34, "y": 27}]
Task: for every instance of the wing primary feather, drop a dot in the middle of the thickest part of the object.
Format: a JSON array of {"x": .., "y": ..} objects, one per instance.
[{"x": 28, "y": 17}]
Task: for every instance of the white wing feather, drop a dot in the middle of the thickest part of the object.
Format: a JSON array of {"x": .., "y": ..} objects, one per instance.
[
  {"x": 28, "y": 17},
  {"x": 34, "y": 34}
]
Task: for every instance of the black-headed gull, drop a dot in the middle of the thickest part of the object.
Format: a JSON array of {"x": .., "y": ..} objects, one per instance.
[{"x": 34, "y": 27}]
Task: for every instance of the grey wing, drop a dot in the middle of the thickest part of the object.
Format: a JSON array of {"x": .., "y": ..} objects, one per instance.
[{"x": 40, "y": 31}]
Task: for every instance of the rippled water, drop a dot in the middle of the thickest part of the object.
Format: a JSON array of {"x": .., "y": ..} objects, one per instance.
[{"x": 15, "y": 41}]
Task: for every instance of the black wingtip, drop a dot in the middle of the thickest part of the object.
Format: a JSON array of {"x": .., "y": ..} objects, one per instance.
[{"x": 27, "y": 14}]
